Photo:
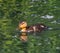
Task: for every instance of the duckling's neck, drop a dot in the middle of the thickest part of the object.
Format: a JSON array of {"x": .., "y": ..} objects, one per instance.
[{"x": 23, "y": 29}]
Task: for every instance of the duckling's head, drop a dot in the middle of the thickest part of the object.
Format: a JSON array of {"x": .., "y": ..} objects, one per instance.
[{"x": 22, "y": 24}]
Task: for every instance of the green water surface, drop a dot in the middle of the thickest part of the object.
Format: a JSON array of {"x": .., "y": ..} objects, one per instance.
[{"x": 32, "y": 11}]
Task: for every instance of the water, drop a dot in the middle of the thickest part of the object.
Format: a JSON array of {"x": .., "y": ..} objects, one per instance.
[
  {"x": 43, "y": 42},
  {"x": 34, "y": 11}
]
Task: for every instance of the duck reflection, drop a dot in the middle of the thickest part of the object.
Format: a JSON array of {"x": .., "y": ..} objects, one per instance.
[
  {"x": 24, "y": 37},
  {"x": 24, "y": 42}
]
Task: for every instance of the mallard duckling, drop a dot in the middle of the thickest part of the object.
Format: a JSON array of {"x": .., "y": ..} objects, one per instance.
[
  {"x": 22, "y": 26},
  {"x": 33, "y": 28}
]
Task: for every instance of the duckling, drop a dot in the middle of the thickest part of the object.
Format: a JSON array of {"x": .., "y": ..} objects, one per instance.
[
  {"x": 33, "y": 28},
  {"x": 22, "y": 26}
]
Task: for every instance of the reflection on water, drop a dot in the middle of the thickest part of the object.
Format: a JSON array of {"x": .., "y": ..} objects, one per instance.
[
  {"x": 44, "y": 42},
  {"x": 38, "y": 42},
  {"x": 25, "y": 41},
  {"x": 23, "y": 37}
]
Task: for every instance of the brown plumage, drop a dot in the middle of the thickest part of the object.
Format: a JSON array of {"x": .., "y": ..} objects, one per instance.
[{"x": 33, "y": 28}]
